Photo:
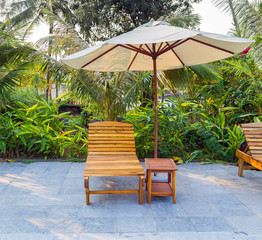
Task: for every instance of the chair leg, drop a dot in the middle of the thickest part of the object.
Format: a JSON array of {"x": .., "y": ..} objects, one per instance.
[
  {"x": 240, "y": 167},
  {"x": 174, "y": 186},
  {"x": 87, "y": 191},
  {"x": 141, "y": 183},
  {"x": 146, "y": 178}
]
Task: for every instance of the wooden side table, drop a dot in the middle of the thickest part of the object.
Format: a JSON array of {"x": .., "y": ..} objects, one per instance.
[{"x": 155, "y": 188}]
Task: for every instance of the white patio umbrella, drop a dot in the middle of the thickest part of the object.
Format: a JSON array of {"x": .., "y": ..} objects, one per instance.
[{"x": 156, "y": 46}]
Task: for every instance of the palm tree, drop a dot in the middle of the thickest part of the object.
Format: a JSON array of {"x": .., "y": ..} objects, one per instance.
[
  {"x": 115, "y": 93},
  {"x": 184, "y": 19},
  {"x": 124, "y": 90},
  {"x": 19, "y": 61},
  {"x": 65, "y": 40},
  {"x": 250, "y": 15},
  {"x": 247, "y": 17},
  {"x": 30, "y": 13},
  {"x": 103, "y": 92},
  {"x": 8, "y": 79},
  {"x": 230, "y": 7}
]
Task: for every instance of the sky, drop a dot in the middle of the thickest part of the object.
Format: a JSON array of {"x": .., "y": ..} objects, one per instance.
[{"x": 213, "y": 20}]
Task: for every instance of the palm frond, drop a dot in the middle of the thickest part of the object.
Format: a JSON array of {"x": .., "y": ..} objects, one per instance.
[
  {"x": 21, "y": 11},
  {"x": 224, "y": 5},
  {"x": 230, "y": 7},
  {"x": 240, "y": 68},
  {"x": 176, "y": 78},
  {"x": 65, "y": 39},
  {"x": 32, "y": 24},
  {"x": 180, "y": 79},
  {"x": 208, "y": 72},
  {"x": 88, "y": 86},
  {"x": 185, "y": 20},
  {"x": 139, "y": 83}
]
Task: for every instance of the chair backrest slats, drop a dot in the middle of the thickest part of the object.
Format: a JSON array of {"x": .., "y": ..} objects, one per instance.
[
  {"x": 253, "y": 134},
  {"x": 107, "y": 138}
]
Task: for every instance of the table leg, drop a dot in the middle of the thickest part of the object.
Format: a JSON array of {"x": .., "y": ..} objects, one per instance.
[
  {"x": 169, "y": 177},
  {"x": 149, "y": 184},
  {"x": 87, "y": 190},
  {"x": 174, "y": 186}
]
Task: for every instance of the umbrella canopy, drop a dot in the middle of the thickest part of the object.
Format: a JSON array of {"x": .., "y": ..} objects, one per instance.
[{"x": 156, "y": 46}]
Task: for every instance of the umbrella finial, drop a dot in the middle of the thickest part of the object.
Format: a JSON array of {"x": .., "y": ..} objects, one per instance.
[
  {"x": 154, "y": 23},
  {"x": 150, "y": 23}
]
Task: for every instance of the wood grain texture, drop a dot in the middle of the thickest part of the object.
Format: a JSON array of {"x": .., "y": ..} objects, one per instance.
[
  {"x": 112, "y": 152},
  {"x": 253, "y": 135},
  {"x": 252, "y": 125},
  {"x": 161, "y": 188},
  {"x": 249, "y": 159},
  {"x": 87, "y": 191}
]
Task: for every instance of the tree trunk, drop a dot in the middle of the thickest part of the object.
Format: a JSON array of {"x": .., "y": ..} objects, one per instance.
[
  {"x": 48, "y": 89},
  {"x": 230, "y": 2},
  {"x": 56, "y": 89},
  {"x": 146, "y": 96},
  {"x": 108, "y": 101},
  {"x": 47, "y": 82}
]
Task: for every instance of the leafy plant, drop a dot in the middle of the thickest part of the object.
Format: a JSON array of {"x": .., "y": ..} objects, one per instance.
[{"x": 40, "y": 131}]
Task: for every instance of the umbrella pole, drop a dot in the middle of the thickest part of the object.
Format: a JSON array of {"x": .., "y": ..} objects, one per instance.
[{"x": 155, "y": 99}]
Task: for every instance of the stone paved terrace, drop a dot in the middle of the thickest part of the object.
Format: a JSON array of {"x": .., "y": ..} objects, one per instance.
[{"x": 46, "y": 201}]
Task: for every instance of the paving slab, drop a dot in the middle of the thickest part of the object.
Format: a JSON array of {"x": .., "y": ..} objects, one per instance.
[
  {"x": 229, "y": 205},
  {"x": 100, "y": 225},
  {"x": 98, "y": 236},
  {"x": 178, "y": 224},
  {"x": 210, "y": 224},
  {"x": 46, "y": 201},
  {"x": 19, "y": 236},
  {"x": 136, "y": 224},
  {"x": 58, "y": 236},
  {"x": 246, "y": 224},
  {"x": 166, "y": 209},
  {"x": 139, "y": 236},
  {"x": 73, "y": 181}
]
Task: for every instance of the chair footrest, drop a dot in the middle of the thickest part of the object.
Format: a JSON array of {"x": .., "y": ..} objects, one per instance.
[{"x": 114, "y": 191}]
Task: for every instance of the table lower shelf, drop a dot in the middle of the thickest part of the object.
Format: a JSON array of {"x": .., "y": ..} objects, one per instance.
[{"x": 161, "y": 189}]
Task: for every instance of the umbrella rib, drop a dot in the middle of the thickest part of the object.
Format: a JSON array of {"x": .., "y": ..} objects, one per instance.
[
  {"x": 149, "y": 49},
  {"x": 177, "y": 43},
  {"x": 141, "y": 50},
  {"x": 168, "y": 47},
  {"x": 100, "y": 56},
  {"x": 159, "y": 48},
  {"x": 210, "y": 45},
  {"x": 176, "y": 54},
  {"x": 130, "y": 47},
  {"x": 134, "y": 58},
  {"x": 135, "y": 49}
]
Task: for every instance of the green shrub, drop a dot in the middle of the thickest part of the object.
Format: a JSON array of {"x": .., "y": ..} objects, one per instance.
[
  {"x": 172, "y": 125},
  {"x": 26, "y": 95},
  {"x": 40, "y": 131},
  {"x": 186, "y": 132}
]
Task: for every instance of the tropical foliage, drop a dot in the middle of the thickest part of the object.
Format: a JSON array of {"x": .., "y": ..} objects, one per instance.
[
  {"x": 108, "y": 18},
  {"x": 209, "y": 139},
  {"x": 40, "y": 131},
  {"x": 200, "y": 107}
]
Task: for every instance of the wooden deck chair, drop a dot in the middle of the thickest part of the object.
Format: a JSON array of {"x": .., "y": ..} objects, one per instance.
[
  {"x": 253, "y": 134},
  {"x": 112, "y": 152}
]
